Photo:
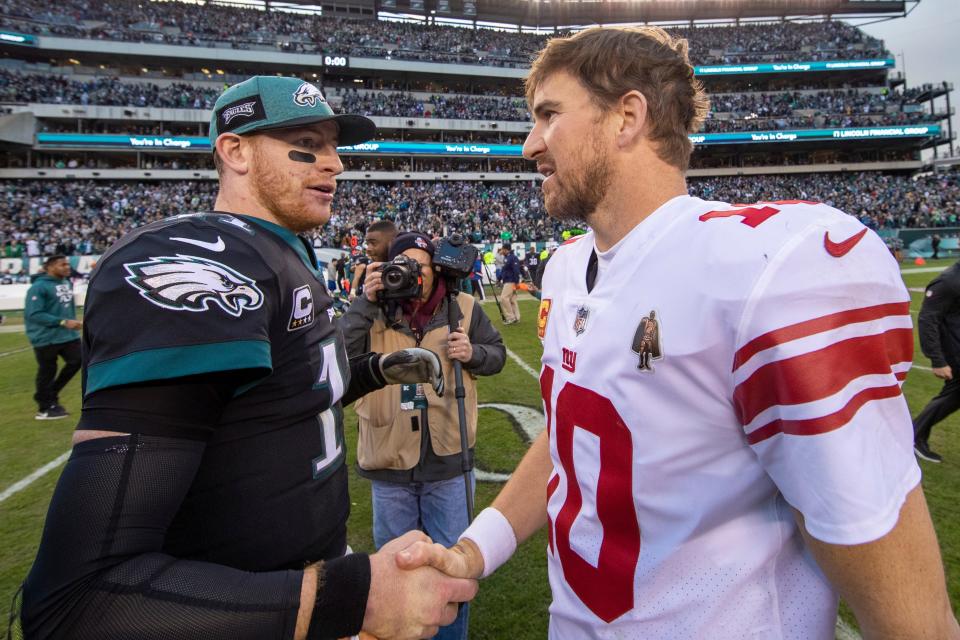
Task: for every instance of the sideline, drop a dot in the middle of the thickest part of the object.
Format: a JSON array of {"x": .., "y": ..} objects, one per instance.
[
  {"x": 10, "y": 353},
  {"x": 17, "y": 487}
]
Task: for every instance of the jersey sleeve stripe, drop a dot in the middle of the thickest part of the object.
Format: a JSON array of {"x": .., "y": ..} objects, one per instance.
[
  {"x": 817, "y": 341},
  {"x": 817, "y": 325},
  {"x": 819, "y": 374},
  {"x": 176, "y": 362},
  {"x": 551, "y": 489},
  {"x": 823, "y": 424}
]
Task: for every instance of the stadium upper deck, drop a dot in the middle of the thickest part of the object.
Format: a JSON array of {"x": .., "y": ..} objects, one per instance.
[{"x": 802, "y": 98}]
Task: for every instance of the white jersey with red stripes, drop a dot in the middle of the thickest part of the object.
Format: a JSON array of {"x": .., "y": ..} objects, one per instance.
[{"x": 732, "y": 363}]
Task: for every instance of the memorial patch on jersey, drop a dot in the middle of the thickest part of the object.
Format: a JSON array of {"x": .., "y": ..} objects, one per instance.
[
  {"x": 646, "y": 341},
  {"x": 189, "y": 283},
  {"x": 542, "y": 317},
  {"x": 580, "y": 322},
  {"x": 302, "y": 314}
]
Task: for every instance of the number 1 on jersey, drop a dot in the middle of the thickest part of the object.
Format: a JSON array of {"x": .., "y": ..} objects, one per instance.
[{"x": 607, "y": 589}]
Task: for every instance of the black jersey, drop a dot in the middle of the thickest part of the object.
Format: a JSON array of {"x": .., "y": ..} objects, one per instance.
[{"x": 213, "y": 292}]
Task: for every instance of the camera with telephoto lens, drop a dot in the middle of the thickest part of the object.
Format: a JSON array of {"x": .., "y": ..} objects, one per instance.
[
  {"x": 455, "y": 256},
  {"x": 401, "y": 279}
]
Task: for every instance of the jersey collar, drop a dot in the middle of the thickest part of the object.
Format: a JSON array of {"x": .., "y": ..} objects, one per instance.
[{"x": 297, "y": 243}]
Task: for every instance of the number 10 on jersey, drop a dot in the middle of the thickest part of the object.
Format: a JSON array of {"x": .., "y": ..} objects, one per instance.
[{"x": 607, "y": 589}]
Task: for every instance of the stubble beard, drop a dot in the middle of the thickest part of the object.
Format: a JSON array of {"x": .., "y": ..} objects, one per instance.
[
  {"x": 282, "y": 195},
  {"x": 578, "y": 201}
]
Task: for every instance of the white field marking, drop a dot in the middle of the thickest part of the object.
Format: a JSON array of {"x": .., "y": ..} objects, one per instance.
[
  {"x": 10, "y": 353},
  {"x": 19, "y": 486},
  {"x": 923, "y": 270},
  {"x": 13, "y": 328},
  {"x": 523, "y": 365},
  {"x": 916, "y": 289},
  {"x": 845, "y": 631}
]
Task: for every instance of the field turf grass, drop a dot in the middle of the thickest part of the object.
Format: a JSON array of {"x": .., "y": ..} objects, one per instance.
[{"x": 512, "y": 603}]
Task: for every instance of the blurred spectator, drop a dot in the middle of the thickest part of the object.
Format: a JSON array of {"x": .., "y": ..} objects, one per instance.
[{"x": 85, "y": 217}]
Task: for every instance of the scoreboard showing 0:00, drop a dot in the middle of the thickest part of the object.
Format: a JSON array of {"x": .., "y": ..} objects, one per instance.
[{"x": 335, "y": 61}]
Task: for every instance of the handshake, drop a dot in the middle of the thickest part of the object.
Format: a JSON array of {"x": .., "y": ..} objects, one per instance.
[{"x": 416, "y": 586}]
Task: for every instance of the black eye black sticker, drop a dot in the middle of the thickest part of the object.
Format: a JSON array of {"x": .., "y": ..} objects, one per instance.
[{"x": 302, "y": 156}]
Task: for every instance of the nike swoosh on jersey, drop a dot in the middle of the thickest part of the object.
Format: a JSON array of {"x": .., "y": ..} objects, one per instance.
[
  {"x": 212, "y": 246},
  {"x": 840, "y": 249}
]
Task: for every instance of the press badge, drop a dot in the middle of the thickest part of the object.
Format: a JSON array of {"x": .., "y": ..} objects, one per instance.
[{"x": 412, "y": 397}]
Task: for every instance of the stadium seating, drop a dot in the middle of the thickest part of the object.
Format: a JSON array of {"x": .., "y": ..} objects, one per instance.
[{"x": 85, "y": 217}]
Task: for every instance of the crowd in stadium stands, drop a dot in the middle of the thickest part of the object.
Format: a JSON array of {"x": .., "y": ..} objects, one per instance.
[
  {"x": 244, "y": 28},
  {"x": 46, "y": 217},
  {"x": 57, "y": 89},
  {"x": 731, "y": 112},
  {"x": 702, "y": 159}
]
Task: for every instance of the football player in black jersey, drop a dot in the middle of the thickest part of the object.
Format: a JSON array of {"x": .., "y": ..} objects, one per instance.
[{"x": 206, "y": 496}]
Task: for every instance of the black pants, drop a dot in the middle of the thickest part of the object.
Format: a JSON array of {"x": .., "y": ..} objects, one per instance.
[
  {"x": 49, "y": 383},
  {"x": 941, "y": 406}
]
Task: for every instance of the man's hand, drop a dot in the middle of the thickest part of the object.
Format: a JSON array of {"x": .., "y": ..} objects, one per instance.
[
  {"x": 413, "y": 365},
  {"x": 76, "y": 324},
  {"x": 373, "y": 282},
  {"x": 944, "y": 373},
  {"x": 462, "y": 560},
  {"x": 459, "y": 347},
  {"x": 410, "y": 604}
]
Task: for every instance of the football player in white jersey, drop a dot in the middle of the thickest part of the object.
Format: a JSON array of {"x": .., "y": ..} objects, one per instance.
[{"x": 727, "y": 447}]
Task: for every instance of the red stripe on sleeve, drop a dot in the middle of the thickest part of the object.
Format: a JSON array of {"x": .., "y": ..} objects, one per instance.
[
  {"x": 820, "y": 374},
  {"x": 817, "y": 325},
  {"x": 551, "y": 487},
  {"x": 823, "y": 424}
]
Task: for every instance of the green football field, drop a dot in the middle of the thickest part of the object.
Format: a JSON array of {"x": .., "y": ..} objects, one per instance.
[{"x": 512, "y": 603}]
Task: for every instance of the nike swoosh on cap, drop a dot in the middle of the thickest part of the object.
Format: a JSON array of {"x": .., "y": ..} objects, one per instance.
[
  {"x": 212, "y": 246},
  {"x": 840, "y": 249}
]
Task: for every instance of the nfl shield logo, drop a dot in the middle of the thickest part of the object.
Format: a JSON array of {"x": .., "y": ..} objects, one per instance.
[{"x": 580, "y": 324}]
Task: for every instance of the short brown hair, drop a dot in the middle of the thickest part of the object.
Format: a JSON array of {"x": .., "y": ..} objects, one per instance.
[{"x": 610, "y": 62}]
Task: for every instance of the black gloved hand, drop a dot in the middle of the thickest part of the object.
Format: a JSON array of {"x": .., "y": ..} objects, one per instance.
[{"x": 413, "y": 365}]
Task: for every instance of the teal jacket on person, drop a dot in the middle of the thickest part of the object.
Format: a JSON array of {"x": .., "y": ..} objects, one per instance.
[{"x": 49, "y": 301}]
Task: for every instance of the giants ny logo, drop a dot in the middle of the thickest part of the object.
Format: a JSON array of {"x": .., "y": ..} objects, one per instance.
[{"x": 569, "y": 360}]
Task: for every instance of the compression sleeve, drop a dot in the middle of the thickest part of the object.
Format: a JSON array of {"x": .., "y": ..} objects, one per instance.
[
  {"x": 101, "y": 572},
  {"x": 364, "y": 377}
]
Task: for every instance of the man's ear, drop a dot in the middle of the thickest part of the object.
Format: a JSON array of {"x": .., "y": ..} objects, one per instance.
[
  {"x": 633, "y": 113},
  {"x": 234, "y": 152}
]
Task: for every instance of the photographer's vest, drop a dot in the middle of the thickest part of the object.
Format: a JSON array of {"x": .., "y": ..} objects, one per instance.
[{"x": 388, "y": 439}]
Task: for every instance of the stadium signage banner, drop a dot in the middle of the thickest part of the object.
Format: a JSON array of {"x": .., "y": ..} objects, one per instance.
[
  {"x": 122, "y": 142},
  {"x": 475, "y": 149},
  {"x": 9, "y": 37},
  {"x": 794, "y": 67},
  {"x": 796, "y": 135}
]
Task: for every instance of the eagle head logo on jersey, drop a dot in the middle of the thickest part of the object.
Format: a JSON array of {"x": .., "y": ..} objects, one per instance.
[
  {"x": 646, "y": 342},
  {"x": 308, "y": 95},
  {"x": 189, "y": 283}
]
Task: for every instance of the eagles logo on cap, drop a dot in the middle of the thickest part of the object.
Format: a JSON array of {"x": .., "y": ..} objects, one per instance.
[
  {"x": 245, "y": 109},
  {"x": 307, "y": 95}
]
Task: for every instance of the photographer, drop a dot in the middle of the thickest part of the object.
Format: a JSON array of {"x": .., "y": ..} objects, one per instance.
[{"x": 409, "y": 443}]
